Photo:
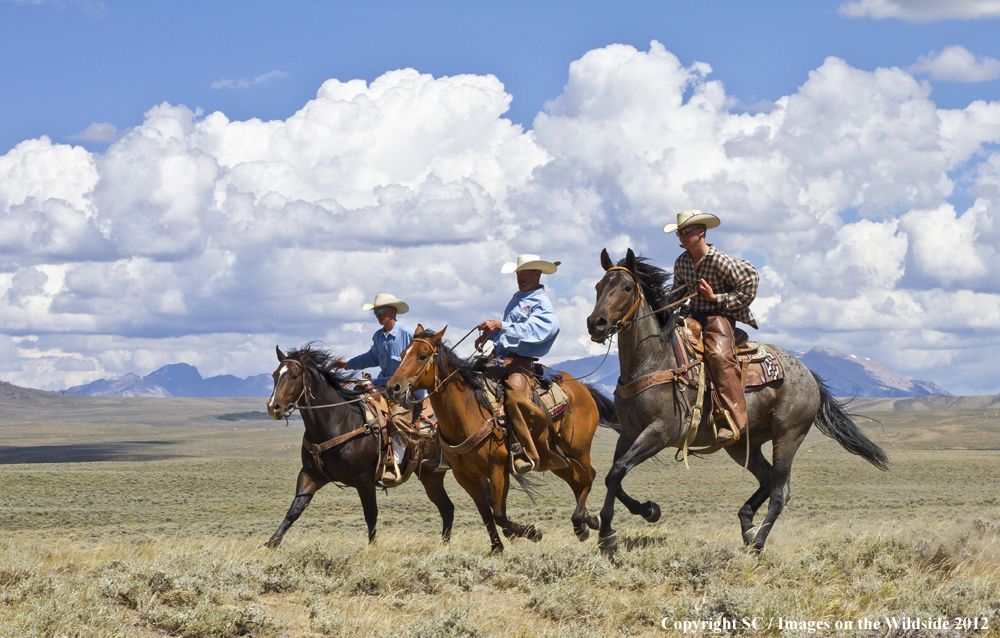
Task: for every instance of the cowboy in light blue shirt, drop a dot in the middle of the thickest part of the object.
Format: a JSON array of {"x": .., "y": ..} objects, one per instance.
[
  {"x": 387, "y": 353},
  {"x": 528, "y": 330}
]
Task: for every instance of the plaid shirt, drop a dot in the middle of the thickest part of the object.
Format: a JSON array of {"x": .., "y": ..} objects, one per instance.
[{"x": 734, "y": 282}]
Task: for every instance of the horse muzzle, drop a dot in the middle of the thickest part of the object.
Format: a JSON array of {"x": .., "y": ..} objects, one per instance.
[
  {"x": 598, "y": 327},
  {"x": 397, "y": 392}
]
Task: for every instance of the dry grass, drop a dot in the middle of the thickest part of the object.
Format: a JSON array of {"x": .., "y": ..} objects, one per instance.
[{"x": 174, "y": 547}]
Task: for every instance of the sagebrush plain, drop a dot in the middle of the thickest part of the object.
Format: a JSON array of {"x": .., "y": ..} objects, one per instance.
[{"x": 147, "y": 517}]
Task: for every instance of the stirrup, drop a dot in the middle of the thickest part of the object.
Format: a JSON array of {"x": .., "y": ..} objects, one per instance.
[{"x": 440, "y": 464}]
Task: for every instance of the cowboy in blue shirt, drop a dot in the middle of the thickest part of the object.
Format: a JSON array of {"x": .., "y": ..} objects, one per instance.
[
  {"x": 528, "y": 330},
  {"x": 387, "y": 353}
]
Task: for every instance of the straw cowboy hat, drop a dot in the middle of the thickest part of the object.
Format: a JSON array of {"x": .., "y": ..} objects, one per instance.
[
  {"x": 529, "y": 262},
  {"x": 385, "y": 299},
  {"x": 692, "y": 217}
]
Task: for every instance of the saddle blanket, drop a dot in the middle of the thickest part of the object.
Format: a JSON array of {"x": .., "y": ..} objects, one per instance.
[{"x": 760, "y": 363}]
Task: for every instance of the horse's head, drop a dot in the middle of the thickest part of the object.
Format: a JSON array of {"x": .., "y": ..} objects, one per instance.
[
  {"x": 289, "y": 385},
  {"x": 418, "y": 368},
  {"x": 618, "y": 296}
]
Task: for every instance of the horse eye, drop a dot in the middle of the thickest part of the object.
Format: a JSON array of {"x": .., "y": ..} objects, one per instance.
[
  {"x": 422, "y": 357},
  {"x": 628, "y": 288}
]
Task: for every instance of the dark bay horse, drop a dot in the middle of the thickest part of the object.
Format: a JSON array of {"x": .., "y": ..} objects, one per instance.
[
  {"x": 461, "y": 402},
  {"x": 781, "y": 412},
  {"x": 306, "y": 377}
]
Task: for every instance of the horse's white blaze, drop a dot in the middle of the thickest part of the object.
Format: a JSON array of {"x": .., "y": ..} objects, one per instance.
[{"x": 281, "y": 373}]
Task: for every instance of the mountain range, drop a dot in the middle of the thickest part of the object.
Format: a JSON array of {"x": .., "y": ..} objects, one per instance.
[
  {"x": 847, "y": 375},
  {"x": 177, "y": 380}
]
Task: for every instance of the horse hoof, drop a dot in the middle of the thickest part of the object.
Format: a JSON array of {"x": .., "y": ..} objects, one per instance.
[
  {"x": 508, "y": 533},
  {"x": 273, "y": 542},
  {"x": 594, "y": 522},
  {"x": 533, "y": 534},
  {"x": 749, "y": 536},
  {"x": 583, "y": 533},
  {"x": 496, "y": 549},
  {"x": 608, "y": 543},
  {"x": 654, "y": 512}
]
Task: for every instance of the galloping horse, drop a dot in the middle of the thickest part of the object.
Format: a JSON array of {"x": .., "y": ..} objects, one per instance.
[
  {"x": 475, "y": 446},
  {"x": 781, "y": 412},
  {"x": 352, "y": 451}
]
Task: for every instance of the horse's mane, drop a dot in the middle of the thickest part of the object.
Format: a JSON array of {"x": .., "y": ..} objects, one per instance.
[
  {"x": 321, "y": 361},
  {"x": 656, "y": 286},
  {"x": 469, "y": 369}
]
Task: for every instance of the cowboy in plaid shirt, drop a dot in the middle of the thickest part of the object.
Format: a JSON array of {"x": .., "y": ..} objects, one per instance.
[{"x": 726, "y": 287}]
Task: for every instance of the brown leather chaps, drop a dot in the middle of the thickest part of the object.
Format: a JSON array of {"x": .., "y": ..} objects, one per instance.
[{"x": 720, "y": 354}]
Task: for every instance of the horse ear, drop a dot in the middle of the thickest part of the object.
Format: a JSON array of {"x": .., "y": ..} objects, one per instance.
[
  {"x": 281, "y": 355},
  {"x": 436, "y": 339},
  {"x": 420, "y": 328},
  {"x": 630, "y": 260},
  {"x": 606, "y": 260}
]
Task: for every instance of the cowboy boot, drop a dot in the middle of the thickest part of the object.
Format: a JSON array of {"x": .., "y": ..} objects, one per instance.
[
  {"x": 517, "y": 403},
  {"x": 720, "y": 356}
]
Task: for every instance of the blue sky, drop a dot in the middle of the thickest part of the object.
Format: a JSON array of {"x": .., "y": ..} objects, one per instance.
[
  {"x": 196, "y": 182},
  {"x": 70, "y": 64}
]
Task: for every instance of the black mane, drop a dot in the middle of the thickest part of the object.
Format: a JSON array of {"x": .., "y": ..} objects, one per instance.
[
  {"x": 469, "y": 369},
  {"x": 656, "y": 284},
  {"x": 321, "y": 362}
]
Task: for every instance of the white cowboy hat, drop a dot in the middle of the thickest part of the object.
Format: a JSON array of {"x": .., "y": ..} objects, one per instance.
[
  {"x": 691, "y": 218},
  {"x": 529, "y": 262},
  {"x": 385, "y": 299}
]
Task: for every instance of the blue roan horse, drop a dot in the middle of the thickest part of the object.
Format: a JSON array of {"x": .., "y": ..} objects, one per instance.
[{"x": 781, "y": 412}]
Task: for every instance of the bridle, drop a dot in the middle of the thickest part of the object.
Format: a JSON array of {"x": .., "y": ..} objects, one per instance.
[
  {"x": 307, "y": 392},
  {"x": 627, "y": 321},
  {"x": 438, "y": 384}
]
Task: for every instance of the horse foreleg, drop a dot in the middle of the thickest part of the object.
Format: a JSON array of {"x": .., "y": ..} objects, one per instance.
[
  {"x": 648, "y": 510},
  {"x": 478, "y": 489},
  {"x": 433, "y": 483},
  {"x": 499, "y": 486},
  {"x": 305, "y": 487},
  {"x": 369, "y": 503},
  {"x": 761, "y": 470},
  {"x": 627, "y": 456}
]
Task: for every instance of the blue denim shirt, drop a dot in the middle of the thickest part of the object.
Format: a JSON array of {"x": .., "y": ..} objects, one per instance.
[
  {"x": 386, "y": 352},
  {"x": 529, "y": 326}
]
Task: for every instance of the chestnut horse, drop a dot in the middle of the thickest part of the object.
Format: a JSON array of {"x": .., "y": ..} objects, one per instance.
[
  {"x": 304, "y": 378},
  {"x": 459, "y": 396},
  {"x": 781, "y": 412}
]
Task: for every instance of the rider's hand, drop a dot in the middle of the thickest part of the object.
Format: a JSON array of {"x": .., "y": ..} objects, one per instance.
[
  {"x": 486, "y": 329},
  {"x": 339, "y": 364},
  {"x": 705, "y": 290}
]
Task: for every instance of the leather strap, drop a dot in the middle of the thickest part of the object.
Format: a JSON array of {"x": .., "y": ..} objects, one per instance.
[
  {"x": 469, "y": 443},
  {"x": 643, "y": 383}
]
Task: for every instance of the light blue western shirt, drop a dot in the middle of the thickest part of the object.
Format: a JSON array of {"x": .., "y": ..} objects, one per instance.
[
  {"x": 386, "y": 352},
  {"x": 529, "y": 326}
]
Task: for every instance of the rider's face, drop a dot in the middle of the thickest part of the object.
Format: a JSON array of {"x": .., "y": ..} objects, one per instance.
[
  {"x": 385, "y": 314},
  {"x": 691, "y": 236},
  {"x": 528, "y": 280}
]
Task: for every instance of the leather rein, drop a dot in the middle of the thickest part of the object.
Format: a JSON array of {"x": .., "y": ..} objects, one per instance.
[{"x": 476, "y": 437}]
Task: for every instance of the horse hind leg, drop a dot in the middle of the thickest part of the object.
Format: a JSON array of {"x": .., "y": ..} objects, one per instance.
[
  {"x": 761, "y": 470},
  {"x": 784, "y": 452},
  {"x": 305, "y": 487}
]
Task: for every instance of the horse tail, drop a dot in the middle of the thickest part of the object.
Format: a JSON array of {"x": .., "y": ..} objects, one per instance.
[
  {"x": 605, "y": 408},
  {"x": 528, "y": 485},
  {"x": 835, "y": 422}
]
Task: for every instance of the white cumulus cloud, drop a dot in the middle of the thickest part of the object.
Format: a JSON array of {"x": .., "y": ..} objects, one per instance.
[
  {"x": 202, "y": 239},
  {"x": 922, "y": 10},
  {"x": 957, "y": 64}
]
